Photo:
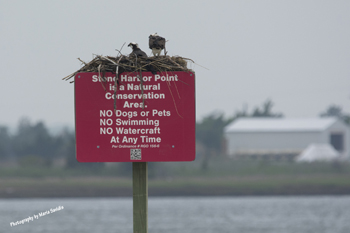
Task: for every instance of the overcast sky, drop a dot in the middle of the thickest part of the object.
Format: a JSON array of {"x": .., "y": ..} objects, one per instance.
[{"x": 296, "y": 53}]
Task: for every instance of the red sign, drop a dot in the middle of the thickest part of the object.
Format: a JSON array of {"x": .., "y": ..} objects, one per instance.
[{"x": 149, "y": 125}]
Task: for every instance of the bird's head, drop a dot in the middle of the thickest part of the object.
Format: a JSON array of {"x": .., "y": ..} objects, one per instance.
[
  {"x": 152, "y": 35},
  {"x": 133, "y": 45}
]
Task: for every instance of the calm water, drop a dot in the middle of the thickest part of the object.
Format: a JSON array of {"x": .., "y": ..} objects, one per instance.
[{"x": 328, "y": 214}]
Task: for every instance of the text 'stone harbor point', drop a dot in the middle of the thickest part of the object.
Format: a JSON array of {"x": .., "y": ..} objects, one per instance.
[{"x": 156, "y": 124}]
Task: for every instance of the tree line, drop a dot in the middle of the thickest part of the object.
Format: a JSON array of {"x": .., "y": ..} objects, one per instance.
[{"x": 33, "y": 143}]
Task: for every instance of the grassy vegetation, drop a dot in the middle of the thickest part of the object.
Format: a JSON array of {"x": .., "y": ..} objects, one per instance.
[
  {"x": 221, "y": 176},
  {"x": 216, "y": 167}
]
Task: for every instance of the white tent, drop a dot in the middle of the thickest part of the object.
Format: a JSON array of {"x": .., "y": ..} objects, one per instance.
[{"x": 318, "y": 152}]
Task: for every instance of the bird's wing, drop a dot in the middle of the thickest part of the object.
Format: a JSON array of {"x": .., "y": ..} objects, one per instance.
[
  {"x": 140, "y": 53},
  {"x": 156, "y": 42},
  {"x": 161, "y": 42},
  {"x": 151, "y": 42}
]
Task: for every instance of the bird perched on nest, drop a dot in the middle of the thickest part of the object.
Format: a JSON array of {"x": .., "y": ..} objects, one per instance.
[
  {"x": 136, "y": 51},
  {"x": 157, "y": 44}
]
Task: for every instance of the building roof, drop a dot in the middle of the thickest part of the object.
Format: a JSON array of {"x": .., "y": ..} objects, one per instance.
[{"x": 259, "y": 124}]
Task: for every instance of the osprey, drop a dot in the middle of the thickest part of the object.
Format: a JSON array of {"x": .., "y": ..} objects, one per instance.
[
  {"x": 136, "y": 51},
  {"x": 157, "y": 44}
]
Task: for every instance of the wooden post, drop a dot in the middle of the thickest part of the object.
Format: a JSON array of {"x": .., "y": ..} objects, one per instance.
[{"x": 140, "y": 196}]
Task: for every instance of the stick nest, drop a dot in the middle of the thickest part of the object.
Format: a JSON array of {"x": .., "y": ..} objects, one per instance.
[{"x": 123, "y": 63}]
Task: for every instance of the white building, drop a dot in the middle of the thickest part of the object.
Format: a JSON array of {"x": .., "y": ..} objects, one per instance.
[{"x": 283, "y": 136}]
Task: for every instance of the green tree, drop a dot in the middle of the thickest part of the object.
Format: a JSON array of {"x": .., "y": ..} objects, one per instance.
[
  {"x": 336, "y": 111},
  {"x": 265, "y": 110},
  {"x": 34, "y": 139},
  {"x": 210, "y": 132},
  {"x": 5, "y": 142},
  {"x": 67, "y": 149}
]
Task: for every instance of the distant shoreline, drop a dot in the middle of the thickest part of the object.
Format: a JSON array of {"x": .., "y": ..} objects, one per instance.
[
  {"x": 116, "y": 187},
  {"x": 162, "y": 193}
]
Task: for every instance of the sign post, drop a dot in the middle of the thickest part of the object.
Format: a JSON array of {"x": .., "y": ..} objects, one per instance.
[
  {"x": 140, "y": 196},
  {"x": 154, "y": 121}
]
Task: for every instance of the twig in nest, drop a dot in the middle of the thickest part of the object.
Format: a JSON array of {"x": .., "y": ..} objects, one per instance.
[
  {"x": 119, "y": 51},
  {"x": 99, "y": 76},
  {"x": 115, "y": 83},
  {"x": 172, "y": 96},
  {"x": 82, "y": 61}
]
